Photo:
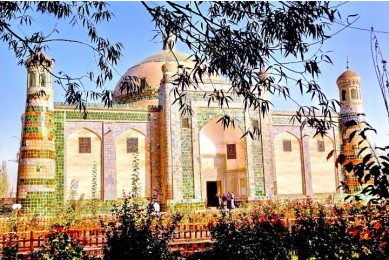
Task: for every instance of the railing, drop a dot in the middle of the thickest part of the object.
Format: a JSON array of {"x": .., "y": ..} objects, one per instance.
[{"x": 188, "y": 238}]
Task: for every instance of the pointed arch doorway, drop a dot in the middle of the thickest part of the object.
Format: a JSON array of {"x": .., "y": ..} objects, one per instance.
[{"x": 223, "y": 161}]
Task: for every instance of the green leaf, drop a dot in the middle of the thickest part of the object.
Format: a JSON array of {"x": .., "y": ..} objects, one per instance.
[
  {"x": 349, "y": 166},
  {"x": 352, "y": 134},
  {"x": 341, "y": 158},
  {"x": 329, "y": 155},
  {"x": 366, "y": 158}
]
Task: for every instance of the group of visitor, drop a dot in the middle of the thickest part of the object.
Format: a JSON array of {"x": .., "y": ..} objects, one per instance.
[{"x": 227, "y": 201}]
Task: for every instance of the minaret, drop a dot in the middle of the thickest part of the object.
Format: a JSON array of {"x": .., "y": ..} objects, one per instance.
[
  {"x": 36, "y": 173},
  {"x": 166, "y": 142},
  {"x": 351, "y": 108}
]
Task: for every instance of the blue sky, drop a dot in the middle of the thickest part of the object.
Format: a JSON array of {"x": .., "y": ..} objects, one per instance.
[{"x": 133, "y": 27}]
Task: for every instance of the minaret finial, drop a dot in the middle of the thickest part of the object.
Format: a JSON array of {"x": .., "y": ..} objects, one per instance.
[{"x": 347, "y": 63}]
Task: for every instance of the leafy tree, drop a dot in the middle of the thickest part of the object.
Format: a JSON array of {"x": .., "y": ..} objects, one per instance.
[
  {"x": 258, "y": 46},
  {"x": 371, "y": 169},
  {"x": 237, "y": 40},
  {"x": 87, "y": 15},
  {"x": 4, "y": 182}
]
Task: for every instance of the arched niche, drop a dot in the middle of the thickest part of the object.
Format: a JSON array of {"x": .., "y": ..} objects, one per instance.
[
  {"x": 43, "y": 80},
  {"x": 83, "y": 160},
  {"x": 322, "y": 170},
  {"x": 130, "y": 160},
  {"x": 32, "y": 79},
  {"x": 287, "y": 155},
  {"x": 344, "y": 95},
  {"x": 223, "y": 160},
  {"x": 353, "y": 93}
]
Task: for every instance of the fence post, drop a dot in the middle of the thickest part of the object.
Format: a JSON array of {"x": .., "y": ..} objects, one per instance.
[{"x": 31, "y": 241}]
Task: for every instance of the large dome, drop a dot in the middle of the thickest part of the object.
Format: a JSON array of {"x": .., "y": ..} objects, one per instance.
[{"x": 149, "y": 71}]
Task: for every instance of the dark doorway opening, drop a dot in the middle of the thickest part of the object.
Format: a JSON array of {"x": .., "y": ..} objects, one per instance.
[{"x": 212, "y": 200}]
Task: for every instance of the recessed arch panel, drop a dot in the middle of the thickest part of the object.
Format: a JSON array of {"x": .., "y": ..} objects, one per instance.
[
  {"x": 287, "y": 155},
  {"x": 322, "y": 170},
  {"x": 130, "y": 162},
  {"x": 82, "y": 164}
]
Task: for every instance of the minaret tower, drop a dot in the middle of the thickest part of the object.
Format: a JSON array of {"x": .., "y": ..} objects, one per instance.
[
  {"x": 36, "y": 173},
  {"x": 351, "y": 108}
]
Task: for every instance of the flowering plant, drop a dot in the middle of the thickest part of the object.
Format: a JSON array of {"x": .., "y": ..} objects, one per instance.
[{"x": 59, "y": 245}]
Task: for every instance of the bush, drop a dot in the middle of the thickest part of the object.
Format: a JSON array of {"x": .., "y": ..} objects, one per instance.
[
  {"x": 139, "y": 233},
  {"x": 4, "y": 209},
  {"x": 250, "y": 236},
  {"x": 60, "y": 245},
  {"x": 346, "y": 232},
  {"x": 10, "y": 250}
]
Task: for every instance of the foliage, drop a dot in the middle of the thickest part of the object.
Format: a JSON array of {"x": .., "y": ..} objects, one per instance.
[
  {"x": 59, "y": 245},
  {"x": 371, "y": 168},
  {"x": 260, "y": 47},
  {"x": 138, "y": 234},
  {"x": 238, "y": 40},
  {"x": 72, "y": 209},
  {"x": 94, "y": 190},
  {"x": 10, "y": 250},
  {"x": 4, "y": 209},
  {"x": 17, "y": 17},
  {"x": 250, "y": 237},
  {"x": 135, "y": 191},
  {"x": 313, "y": 237},
  {"x": 263, "y": 231},
  {"x": 349, "y": 231},
  {"x": 4, "y": 182}
]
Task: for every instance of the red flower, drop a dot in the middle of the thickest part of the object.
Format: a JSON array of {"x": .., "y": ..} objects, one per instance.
[
  {"x": 275, "y": 219},
  {"x": 353, "y": 231},
  {"x": 366, "y": 235},
  {"x": 58, "y": 228},
  {"x": 377, "y": 225},
  {"x": 383, "y": 244},
  {"x": 263, "y": 219}
]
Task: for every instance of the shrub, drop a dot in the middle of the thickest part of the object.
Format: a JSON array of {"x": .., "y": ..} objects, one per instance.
[
  {"x": 4, "y": 209},
  {"x": 250, "y": 236},
  {"x": 138, "y": 233},
  {"x": 59, "y": 245},
  {"x": 10, "y": 250}
]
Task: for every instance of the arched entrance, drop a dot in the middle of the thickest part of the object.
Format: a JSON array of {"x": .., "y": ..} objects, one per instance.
[{"x": 223, "y": 161}]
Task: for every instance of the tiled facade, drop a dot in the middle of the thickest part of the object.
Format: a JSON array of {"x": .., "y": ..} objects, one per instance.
[{"x": 182, "y": 160}]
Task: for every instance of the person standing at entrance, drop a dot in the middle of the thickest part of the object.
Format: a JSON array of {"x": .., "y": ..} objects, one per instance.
[
  {"x": 224, "y": 203},
  {"x": 232, "y": 198},
  {"x": 218, "y": 201},
  {"x": 228, "y": 197}
]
